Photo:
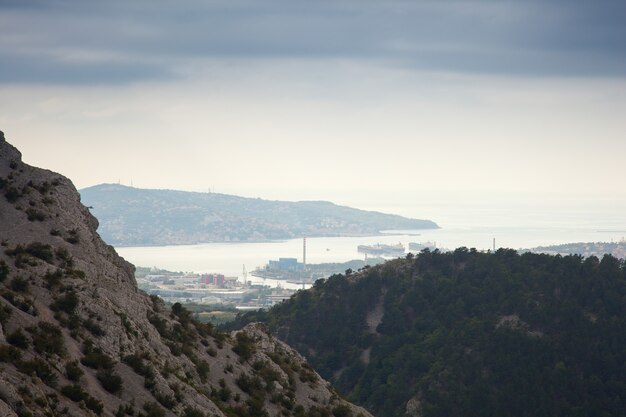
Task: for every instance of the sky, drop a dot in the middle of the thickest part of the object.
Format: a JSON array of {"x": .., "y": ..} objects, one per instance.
[{"x": 352, "y": 101}]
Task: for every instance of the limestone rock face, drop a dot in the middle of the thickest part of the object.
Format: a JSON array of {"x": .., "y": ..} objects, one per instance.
[{"x": 77, "y": 338}]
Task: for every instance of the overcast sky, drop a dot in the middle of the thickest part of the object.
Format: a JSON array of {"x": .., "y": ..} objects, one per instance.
[{"x": 320, "y": 99}]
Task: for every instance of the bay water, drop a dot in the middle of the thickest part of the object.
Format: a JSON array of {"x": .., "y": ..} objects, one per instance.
[{"x": 512, "y": 224}]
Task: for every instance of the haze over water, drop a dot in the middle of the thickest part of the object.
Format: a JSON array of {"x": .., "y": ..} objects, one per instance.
[{"x": 513, "y": 222}]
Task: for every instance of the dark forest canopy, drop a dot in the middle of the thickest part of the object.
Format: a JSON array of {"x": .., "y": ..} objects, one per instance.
[{"x": 468, "y": 333}]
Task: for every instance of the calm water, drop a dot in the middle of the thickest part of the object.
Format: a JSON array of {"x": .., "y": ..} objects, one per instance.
[{"x": 513, "y": 225}]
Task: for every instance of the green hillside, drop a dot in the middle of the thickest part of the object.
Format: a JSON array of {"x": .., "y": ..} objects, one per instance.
[
  {"x": 133, "y": 216},
  {"x": 468, "y": 334}
]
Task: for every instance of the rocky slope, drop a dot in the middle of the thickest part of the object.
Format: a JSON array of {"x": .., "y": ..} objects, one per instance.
[
  {"x": 133, "y": 216},
  {"x": 77, "y": 338}
]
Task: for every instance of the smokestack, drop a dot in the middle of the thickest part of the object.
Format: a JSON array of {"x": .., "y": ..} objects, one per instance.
[{"x": 304, "y": 252}]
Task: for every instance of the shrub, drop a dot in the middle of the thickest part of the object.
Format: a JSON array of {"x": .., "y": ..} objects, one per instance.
[
  {"x": 153, "y": 409},
  {"x": 18, "y": 339},
  {"x": 19, "y": 284},
  {"x": 5, "y": 313},
  {"x": 74, "y": 392},
  {"x": 109, "y": 380},
  {"x": 64, "y": 256},
  {"x": 48, "y": 339},
  {"x": 136, "y": 362},
  {"x": 39, "y": 368},
  {"x": 22, "y": 303},
  {"x": 193, "y": 412},
  {"x": 165, "y": 400},
  {"x": 75, "y": 273},
  {"x": 35, "y": 215},
  {"x": 73, "y": 237},
  {"x": 12, "y": 194},
  {"x": 40, "y": 250},
  {"x": 4, "y": 271},
  {"x": 67, "y": 303},
  {"x": 96, "y": 359},
  {"x": 73, "y": 371},
  {"x": 341, "y": 410},
  {"x": 244, "y": 346},
  {"x": 53, "y": 279},
  {"x": 93, "y": 327},
  {"x": 94, "y": 405},
  {"x": 203, "y": 368},
  {"x": 35, "y": 249},
  {"x": 9, "y": 354}
]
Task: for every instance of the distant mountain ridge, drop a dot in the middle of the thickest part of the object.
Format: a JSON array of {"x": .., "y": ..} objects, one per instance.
[{"x": 132, "y": 217}]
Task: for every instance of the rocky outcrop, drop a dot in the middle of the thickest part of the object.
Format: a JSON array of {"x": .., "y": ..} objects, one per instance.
[{"x": 77, "y": 337}]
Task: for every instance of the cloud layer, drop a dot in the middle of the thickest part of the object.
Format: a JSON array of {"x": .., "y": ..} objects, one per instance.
[{"x": 115, "y": 42}]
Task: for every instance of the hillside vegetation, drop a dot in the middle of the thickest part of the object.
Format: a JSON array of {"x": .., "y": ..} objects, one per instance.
[
  {"x": 132, "y": 216},
  {"x": 468, "y": 334},
  {"x": 77, "y": 338}
]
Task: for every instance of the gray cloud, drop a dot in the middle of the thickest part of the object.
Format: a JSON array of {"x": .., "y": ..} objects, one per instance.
[{"x": 63, "y": 41}]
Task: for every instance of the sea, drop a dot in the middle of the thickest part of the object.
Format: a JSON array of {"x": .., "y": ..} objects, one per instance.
[{"x": 505, "y": 224}]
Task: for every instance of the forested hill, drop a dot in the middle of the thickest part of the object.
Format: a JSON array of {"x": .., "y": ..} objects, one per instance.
[
  {"x": 132, "y": 216},
  {"x": 468, "y": 334}
]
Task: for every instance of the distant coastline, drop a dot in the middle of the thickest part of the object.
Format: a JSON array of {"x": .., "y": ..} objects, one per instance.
[{"x": 131, "y": 217}]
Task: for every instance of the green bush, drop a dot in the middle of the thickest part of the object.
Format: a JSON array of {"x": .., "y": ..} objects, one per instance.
[
  {"x": 18, "y": 339},
  {"x": 73, "y": 371},
  {"x": 94, "y": 405},
  {"x": 341, "y": 410},
  {"x": 19, "y": 284},
  {"x": 47, "y": 339},
  {"x": 64, "y": 256},
  {"x": 193, "y": 412},
  {"x": 244, "y": 346},
  {"x": 74, "y": 392},
  {"x": 165, "y": 400},
  {"x": 53, "y": 279},
  {"x": 66, "y": 303},
  {"x": 139, "y": 366},
  {"x": 153, "y": 409},
  {"x": 203, "y": 368},
  {"x": 4, "y": 271},
  {"x": 12, "y": 194},
  {"x": 35, "y": 249},
  {"x": 5, "y": 313},
  {"x": 38, "y": 367},
  {"x": 9, "y": 354},
  {"x": 73, "y": 237},
  {"x": 35, "y": 215},
  {"x": 95, "y": 358},
  {"x": 109, "y": 380}
]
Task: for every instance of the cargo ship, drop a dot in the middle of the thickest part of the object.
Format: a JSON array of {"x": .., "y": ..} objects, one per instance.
[{"x": 382, "y": 250}]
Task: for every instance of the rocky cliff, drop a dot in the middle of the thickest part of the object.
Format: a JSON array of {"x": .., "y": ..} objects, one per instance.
[{"x": 77, "y": 338}]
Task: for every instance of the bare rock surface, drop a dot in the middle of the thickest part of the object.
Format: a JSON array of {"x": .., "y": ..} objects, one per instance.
[{"x": 77, "y": 338}]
